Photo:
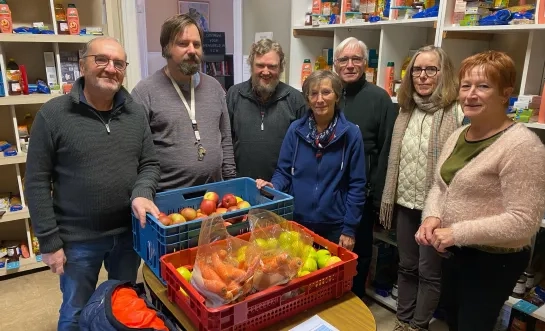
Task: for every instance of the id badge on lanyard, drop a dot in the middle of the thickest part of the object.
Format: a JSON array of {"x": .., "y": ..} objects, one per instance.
[{"x": 201, "y": 152}]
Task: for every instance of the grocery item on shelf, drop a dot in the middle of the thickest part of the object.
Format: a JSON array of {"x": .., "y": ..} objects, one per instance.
[{"x": 6, "y": 23}]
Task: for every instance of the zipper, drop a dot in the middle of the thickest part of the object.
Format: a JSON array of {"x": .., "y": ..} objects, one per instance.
[
  {"x": 107, "y": 125},
  {"x": 262, "y": 118}
]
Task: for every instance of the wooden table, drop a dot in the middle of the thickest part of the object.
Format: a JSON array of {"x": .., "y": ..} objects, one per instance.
[{"x": 345, "y": 313}]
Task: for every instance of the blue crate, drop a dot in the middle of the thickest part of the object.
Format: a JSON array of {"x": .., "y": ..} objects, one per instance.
[{"x": 156, "y": 240}]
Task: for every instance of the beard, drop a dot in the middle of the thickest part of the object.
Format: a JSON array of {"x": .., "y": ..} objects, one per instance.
[
  {"x": 190, "y": 69},
  {"x": 264, "y": 89}
]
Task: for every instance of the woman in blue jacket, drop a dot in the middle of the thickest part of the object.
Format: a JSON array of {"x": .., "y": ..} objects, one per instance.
[{"x": 322, "y": 164}]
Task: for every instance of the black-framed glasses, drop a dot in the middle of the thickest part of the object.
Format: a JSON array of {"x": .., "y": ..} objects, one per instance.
[
  {"x": 103, "y": 61},
  {"x": 430, "y": 71},
  {"x": 356, "y": 60}
]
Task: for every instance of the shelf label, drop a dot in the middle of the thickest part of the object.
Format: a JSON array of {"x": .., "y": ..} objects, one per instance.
[
  {"x": 525, "y": 307},
  {"x": 13, "y": 265}
]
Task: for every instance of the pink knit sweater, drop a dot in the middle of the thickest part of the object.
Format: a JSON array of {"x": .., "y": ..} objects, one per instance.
[{"x": 498, "y": 198}]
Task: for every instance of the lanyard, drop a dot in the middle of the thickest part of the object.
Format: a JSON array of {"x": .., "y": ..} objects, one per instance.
[{"x": 191, "y": 112}]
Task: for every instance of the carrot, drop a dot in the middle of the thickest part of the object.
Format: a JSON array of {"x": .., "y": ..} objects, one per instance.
[
  {"x": 234, "y": 272},
  {"x": 209, "y": 273},
  {"x": 222, "y": 253},
  {"x": 220, "y": 268},
  {"x": 215, "y": 286}
]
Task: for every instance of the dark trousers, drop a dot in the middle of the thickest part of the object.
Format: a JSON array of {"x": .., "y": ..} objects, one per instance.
[
  {"x": 476, "y": 284},
  {"x": 419, "y": 272},
  {"x": 364, "y": 248}
]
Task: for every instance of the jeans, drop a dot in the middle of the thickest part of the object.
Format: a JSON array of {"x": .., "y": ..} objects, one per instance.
[
  {"x": 419, "y": 273},
  {"x": 364, "y": 248},
  {"x": 476, "y": 284},
  {"x": 83, "y": 263}
]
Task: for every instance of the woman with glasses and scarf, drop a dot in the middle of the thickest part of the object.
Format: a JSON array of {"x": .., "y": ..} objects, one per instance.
[
  {"x": 428, "y": 115},
  {"x": 322, "y": 164}
]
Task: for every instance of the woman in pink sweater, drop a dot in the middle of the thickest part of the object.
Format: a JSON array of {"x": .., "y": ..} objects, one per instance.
[{"x": 488, "y": 197}]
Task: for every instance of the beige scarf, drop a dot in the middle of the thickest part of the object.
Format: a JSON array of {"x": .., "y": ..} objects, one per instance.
[{"x": 443, "y": 124}]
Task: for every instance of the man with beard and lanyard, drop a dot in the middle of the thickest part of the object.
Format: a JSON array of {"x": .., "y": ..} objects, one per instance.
[
  {"x": 186, "y": 111},
  {"x": 370, "y": 107},
  {"x": 261, "y": 110}
]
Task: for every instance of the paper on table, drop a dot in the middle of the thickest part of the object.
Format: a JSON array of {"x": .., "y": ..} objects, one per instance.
[
  {"x": 315, "y": 323},
  {"x": 246, "y": 70}
]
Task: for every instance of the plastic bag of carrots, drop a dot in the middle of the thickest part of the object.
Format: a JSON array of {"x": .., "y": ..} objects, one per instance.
[
  {"x": 224, "y": 265},
  {"x": 284, "y": 248}
]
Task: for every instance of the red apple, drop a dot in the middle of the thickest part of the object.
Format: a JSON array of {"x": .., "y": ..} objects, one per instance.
[
  {"x": 243, "y": 205},
  {"x": 165, "y": 220},
  {"x": 176, "y": 218},
  {"x": 189, "y": 214},
  {"x": 212, "y": 196},
  {"x": 221, "y": 210},
  {"x": 229, "y": 200},
  {"x": 208, "y": 206},
  {"x": 161, "y": 214}
]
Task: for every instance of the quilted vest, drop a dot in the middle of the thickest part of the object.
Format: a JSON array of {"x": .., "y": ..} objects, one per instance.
[{"x": 411, "y": 182}]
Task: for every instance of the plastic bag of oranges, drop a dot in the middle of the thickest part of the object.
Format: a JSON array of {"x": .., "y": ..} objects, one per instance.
[
  {"x": 224, "y": 266},
  {"x": 284, "y": 248}
]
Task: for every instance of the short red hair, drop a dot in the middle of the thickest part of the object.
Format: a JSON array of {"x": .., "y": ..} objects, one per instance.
[{"x": 497, "y": 66}]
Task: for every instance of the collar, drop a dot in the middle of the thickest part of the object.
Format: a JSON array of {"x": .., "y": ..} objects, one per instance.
[
  {"x": 247, "y": 91},
  {"x": 119, "y": 97},
  {"x": 354, "y": 88},
  {"x": 196, "y": 78},
  {"x": 342, "y": 126}
]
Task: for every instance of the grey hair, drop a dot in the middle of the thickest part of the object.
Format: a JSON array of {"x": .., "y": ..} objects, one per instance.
[
  {"x": 264, "y": 46},
  {"x": 87, "y": 46},
  {"x": 351, "y": 41},
  {"x": 319, "y": 75}
]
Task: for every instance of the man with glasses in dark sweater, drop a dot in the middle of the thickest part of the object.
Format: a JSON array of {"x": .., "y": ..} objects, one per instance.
[
  {"x": 371, "y": 108},
  {"x": 90, "y": 158}
]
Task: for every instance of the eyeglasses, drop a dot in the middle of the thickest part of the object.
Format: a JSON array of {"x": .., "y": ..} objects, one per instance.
[
  {"x": 314, "y": 94},
  {"x": 103, "y": 61},
  {"x": 356, "y": 60},
  {"x": 430, "y": 71}
]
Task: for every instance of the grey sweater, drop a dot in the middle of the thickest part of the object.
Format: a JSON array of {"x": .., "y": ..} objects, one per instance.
[
  {"x": 173, "y": 134},
  {"x": 95, "y": 174}
]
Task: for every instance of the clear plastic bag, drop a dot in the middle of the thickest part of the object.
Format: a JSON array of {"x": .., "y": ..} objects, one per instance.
[
  {"x": 283, "y": 248},
  {"x": 224, "y": 265}
]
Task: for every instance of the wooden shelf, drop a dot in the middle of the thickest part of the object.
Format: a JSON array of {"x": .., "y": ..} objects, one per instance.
[
  {"x": 15, "y": 216},
  {"x": 17, "y": 159},
  {"x": 44, "y": 38},
  {"x": 535, "y": 125},
  {"x": 539, "y": 313},
  {"x": 31, "y": 99},
  {"x": 496, "y": 28}
]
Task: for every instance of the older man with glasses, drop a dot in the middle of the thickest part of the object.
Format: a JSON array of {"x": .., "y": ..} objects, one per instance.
[
  {"x": 91, "y": 156},
  {"x": 371, "y": 108}
]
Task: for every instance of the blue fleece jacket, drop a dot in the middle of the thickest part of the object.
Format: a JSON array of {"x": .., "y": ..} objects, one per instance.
[{"x": 327, "y": 189}]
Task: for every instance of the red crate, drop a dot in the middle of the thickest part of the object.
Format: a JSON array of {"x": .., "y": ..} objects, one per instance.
[{"x": 266, "y": 307}]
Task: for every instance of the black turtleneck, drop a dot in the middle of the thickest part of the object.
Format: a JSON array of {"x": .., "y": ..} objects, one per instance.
[{"x": 371, "y": 108}]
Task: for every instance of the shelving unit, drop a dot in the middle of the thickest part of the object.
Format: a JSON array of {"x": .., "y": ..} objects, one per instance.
[
  {"x": 28, "y": 49},
  {"x": 393, "y": 40}
]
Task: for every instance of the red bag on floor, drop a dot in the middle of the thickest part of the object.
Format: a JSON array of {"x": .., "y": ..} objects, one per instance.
[{"x": 133, "y": 312}]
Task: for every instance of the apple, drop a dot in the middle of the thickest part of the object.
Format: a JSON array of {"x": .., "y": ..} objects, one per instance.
[
  {"x": 177, "y": 218},
  {"x": 243, "y": 205},
  {"x": 232, "y": 208},
  {"x": 228, "y": 200},
  {"x": 239, "y": 199},
  {"x": 212, "y": 196},
  {"x": 221, "y": 210},
  {"x": 162, "y": 214},
  {"x": 165, "y": 220},
  {"x": 208, "y": 206},
  {"x": 332, "y": 260},
  {"x": 189, "y": 214},
  {"x": 185, "y": 273}
]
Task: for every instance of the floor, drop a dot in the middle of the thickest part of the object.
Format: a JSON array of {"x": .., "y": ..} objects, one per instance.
[{"x": 33, "y": 300}]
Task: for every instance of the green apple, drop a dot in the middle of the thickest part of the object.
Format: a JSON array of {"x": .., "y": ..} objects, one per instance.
[
  {"x": 323, "y": 252},
  {"x": 185, "y": 273},
  {"x": 310, "y": 265},
  {"x": 302, "y": 273},
  {"x": 272, "y": 243},
  {"x": 309, "y": 252},
  {"x": 297, "y": 248},
  {"x": 322, "y": 261},
  {"x": 332, "y": 260},
  {"x": 284, "y": 239},
  {"x": 262, "y": 243},
  {"x": 295, "y": 236}
]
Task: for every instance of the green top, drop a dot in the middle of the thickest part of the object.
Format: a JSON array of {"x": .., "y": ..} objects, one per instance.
[{"x": 463, "y": 153}]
